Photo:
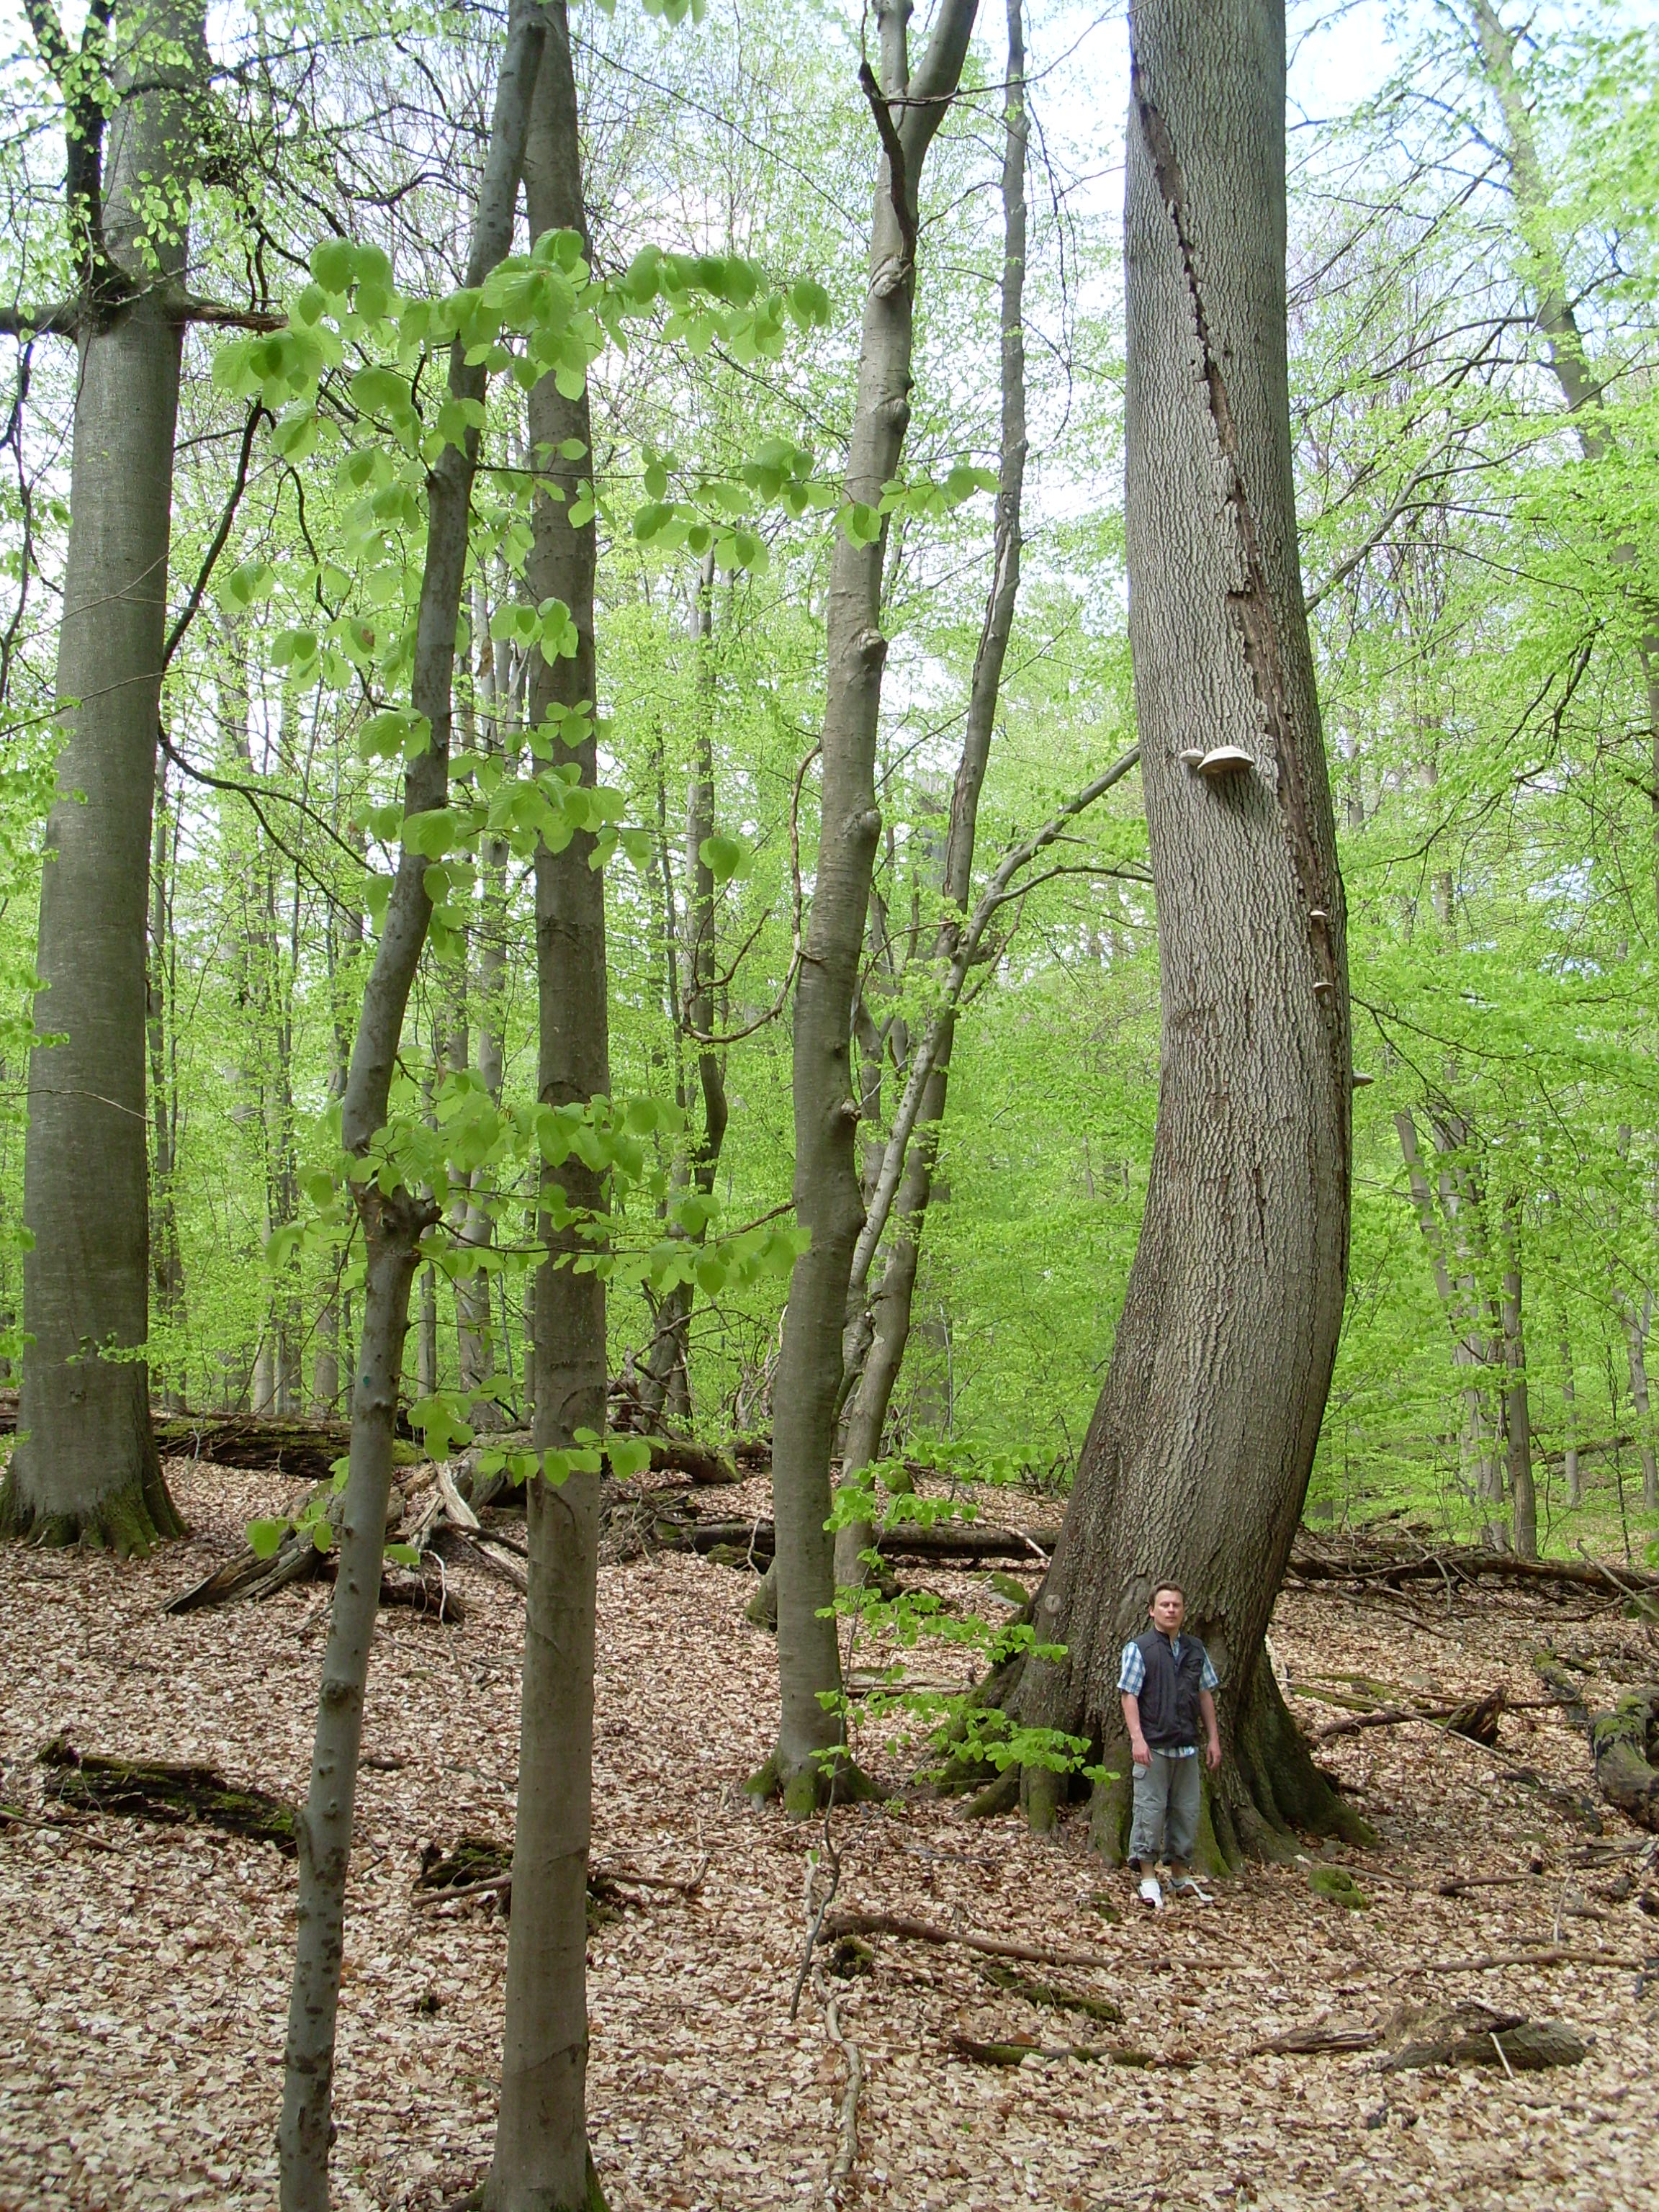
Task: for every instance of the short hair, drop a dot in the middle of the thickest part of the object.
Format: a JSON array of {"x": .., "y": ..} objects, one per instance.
[{"x": 1158, "y": 1589}]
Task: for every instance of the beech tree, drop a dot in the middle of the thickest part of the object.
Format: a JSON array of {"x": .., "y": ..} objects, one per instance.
[
  {"x": 394, "y": 1217},
  {"x": 541, "y": 2161},
  {"x": 134, "y": 94},
  {"x": 1198, "y": 1458},
  {"x": 907, "y": 112}
]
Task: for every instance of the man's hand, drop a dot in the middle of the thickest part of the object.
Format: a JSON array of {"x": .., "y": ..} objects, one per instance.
[
  {"x": 1213, "y": 1754},
  {"x": 1139, "y": 1752}
]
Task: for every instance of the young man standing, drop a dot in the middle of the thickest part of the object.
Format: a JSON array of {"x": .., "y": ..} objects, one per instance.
[{"x": 1168, "y": 1687}]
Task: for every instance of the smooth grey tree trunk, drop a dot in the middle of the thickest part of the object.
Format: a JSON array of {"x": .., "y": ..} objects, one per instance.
[
  {"x": 85, "y": 1467},
  {"x": 1570, "y": 1418},
  {"x": 666, "y": 1376},
  {"x": 1517, "y": 1423},
  {"x": 827, "y": 1203},
  {"x": 162, "y": 1028},
  {"x": 541, "y": 2161},
  {"x": 1196, "y": 1463},
  {"x": 392, "y": 1223},
  {"x": 886, "y": 1334}
]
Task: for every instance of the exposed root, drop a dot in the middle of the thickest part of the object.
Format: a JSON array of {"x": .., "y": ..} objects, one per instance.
[{"x": 129, "y": 1521}]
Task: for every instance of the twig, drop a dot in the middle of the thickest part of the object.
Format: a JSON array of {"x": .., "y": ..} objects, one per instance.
[
  {"x": 1503, "y": 2055},
  {"x": 1550, "y": 1955},
  {"x": 850, "y": 1922},
  {"x": 847, "y": 2148}
]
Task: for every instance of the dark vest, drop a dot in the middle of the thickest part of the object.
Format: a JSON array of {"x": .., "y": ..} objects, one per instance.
[{"x": 1169, "y": 1718}]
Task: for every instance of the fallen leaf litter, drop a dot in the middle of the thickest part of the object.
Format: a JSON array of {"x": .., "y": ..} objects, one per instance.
[{"x": 143, "y": 1970}]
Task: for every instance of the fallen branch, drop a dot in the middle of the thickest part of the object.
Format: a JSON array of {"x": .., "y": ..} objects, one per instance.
[
  {"x": 847, "y": 2146},
  {"x": 1550, "y": 1955},
  {"x": 1469, "y": 2034},
  {"x": 1319, "y": 2035},
  {"x": 848, "y": 1921},
  {"x": 1016, "y": 2052},
  {"x": 1477, "y": 1721},
  {"x": 1467, "y": 1563},
  {"x": 1623, "y": 1742},
  {"x": 907, "y": 1541},
  {"x": 174, "y": 1794}
]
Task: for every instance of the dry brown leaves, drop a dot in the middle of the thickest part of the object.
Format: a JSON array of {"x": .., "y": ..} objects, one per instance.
[{"x": 144, "y": 1972}]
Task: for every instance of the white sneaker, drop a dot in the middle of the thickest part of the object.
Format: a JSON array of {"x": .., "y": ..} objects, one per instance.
[{"x": 1152, "y": 1892}]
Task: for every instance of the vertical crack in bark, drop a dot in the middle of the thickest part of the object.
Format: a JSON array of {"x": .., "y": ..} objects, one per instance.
[{"x": 1252, "y": 607}]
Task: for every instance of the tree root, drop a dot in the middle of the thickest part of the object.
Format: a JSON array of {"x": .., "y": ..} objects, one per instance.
[
  {"x": 833, "y": 1779},
  {"x": 129, "y": 1522},
  {"x": 846, "y": 1920}
]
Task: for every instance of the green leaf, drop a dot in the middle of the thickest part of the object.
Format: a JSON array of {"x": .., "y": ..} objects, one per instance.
[
  {"x": 333, "y": 263},
  {"x": 264, "y": 1538},
  {"x": 403, "y": 1555}
]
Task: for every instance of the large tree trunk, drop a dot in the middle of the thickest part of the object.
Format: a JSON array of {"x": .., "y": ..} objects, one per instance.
[
  {"x": 827, "y": 1203},
  {"x": 883, "y": 1341},
  {"x": 162, "y": 1024},
  {"x": 85, "y": 1465},
  {"x": 1197, "y": 1460},
  {"x": 541, "y": 2161},
  {"x": 392, "y": 1222}
]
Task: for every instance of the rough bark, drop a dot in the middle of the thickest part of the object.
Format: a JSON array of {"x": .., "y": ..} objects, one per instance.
[
  {"x": 392, "y": 1222},
  {"x": 883, "y": 1338},
  {"x": 1196, "y": 1463},
  {"x": 828, "y": 1204},
  {"x": 541, "y": 2161},
  {"x": 86, "y": 1468}
]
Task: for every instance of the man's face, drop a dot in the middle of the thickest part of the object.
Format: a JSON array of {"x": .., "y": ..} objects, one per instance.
[{"x": 1168, "y": 1610}]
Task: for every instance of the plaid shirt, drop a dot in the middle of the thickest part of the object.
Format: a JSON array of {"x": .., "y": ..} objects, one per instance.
[{"x": 1132, "y": 1678}]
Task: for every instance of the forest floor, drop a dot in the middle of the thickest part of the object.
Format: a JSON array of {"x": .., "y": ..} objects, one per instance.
[{"x": 143, "y": 1970}]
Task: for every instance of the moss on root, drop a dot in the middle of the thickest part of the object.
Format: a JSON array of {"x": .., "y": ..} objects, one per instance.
[
  {"x": 807, "y": 1789},
  {"x": 129, "y": 1522}
]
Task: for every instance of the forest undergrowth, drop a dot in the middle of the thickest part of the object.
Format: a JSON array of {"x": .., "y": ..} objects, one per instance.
[{"x": 142, "y": 1989}]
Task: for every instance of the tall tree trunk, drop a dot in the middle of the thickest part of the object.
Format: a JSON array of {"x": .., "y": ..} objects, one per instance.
[
  {"x": 1569, "y": 1419},
  {"x": 343, "y": 945},
  {"x": 888, "y": 1331},
  {"x": 1477, "y": 1441},
  {"x": 1196, "y": 1463},
  {"x": 1637, "y": 1322},
  {"x": 168, "y": 1260},
  {"x": 1516, "y": 1418},
  {"x": 828, "y": 1204},
  {"x": 392, "y": 1222},
  {"x": 474, "y": 1336},
  {"x": 1462, "y": 1200},
  {"x": 1557, "y": 322},
  {"x": 85, "y": 1467},
  {"x": 541, "y": 2161},
  {"x": 667, "y": 1372}
]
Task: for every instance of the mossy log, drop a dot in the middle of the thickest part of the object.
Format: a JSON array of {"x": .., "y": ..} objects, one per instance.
[
  {"x": 1622, "y": 1744},
  {"x": 158, "y": 1789},
  {"x": 1472, "y": 2034}
]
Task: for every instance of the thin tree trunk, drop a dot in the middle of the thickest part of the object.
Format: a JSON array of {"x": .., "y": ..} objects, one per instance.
[
  {"x": 1569, "y": 1416},
  {"x": 1462, "y": 1200},
  {"x": 86, "y": 1467},
  {"x": 826, "y": 1183},
  {"x": 392, "y": 1222},
  {"x": 1636, "y": 1324},
  {"x": 1477, "y": 1440},
  {"x": 1196, "y": 1463},
  {"x": 888, "y": 1330},
  {"x": 474, "y": 1332},
  {"x": 343, "y": 945},
  {"x": 1516, "y": 1418},
  {"x": 667, "y": 1370},
  {"x": 541, "y": 2161}
]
